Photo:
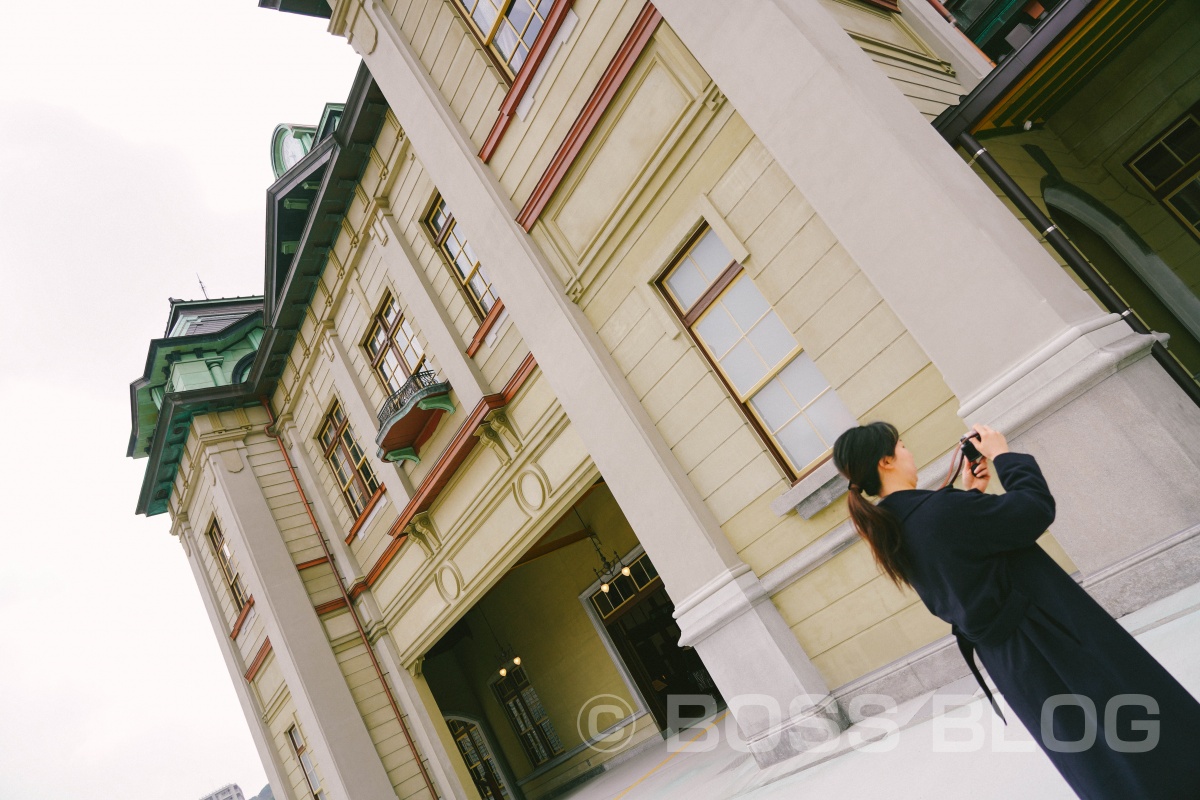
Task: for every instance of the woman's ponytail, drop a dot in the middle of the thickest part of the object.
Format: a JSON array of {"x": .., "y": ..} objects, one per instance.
[{"x": 856, "y": 454}]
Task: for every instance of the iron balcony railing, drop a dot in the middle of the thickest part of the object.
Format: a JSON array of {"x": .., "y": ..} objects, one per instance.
[{"x": 417, "y": 383}]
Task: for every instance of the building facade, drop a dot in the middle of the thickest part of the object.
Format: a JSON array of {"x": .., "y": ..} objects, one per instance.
[{"x": 522, "y": 459}]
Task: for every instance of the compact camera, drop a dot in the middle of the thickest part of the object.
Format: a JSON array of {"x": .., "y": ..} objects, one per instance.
[{"x": 970, "y": 451}]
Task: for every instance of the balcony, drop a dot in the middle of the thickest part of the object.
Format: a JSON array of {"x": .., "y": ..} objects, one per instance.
[{"x": 411, "y": 415}]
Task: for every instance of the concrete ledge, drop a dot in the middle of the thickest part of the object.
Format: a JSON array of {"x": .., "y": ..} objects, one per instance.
[{"x": 1152, "y": 574}]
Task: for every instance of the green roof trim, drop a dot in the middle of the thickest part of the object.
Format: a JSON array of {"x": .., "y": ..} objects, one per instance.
[{"x": 326, "y": 178}]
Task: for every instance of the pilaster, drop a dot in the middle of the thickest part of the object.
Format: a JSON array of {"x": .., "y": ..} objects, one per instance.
[
  {"x": 670, "y": 518},
  {"x": 952, "y": 260},
  {"x": 348, "y": 760},
  {"x": 263, "y": 743}
]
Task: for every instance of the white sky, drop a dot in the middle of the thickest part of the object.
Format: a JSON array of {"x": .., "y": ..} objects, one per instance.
[{"x": 134, "y": 153}]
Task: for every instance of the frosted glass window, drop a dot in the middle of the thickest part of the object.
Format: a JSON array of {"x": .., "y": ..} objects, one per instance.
[{"x": 758, "y": 356}]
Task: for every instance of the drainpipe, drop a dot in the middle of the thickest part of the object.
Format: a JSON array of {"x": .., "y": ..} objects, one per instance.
[
  {"x": 1086, "y": 272},
  {"x": 346, "y": 597}
]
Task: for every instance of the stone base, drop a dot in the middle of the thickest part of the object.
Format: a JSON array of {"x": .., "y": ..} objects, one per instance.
[
  {"x": 774, "y": 693},
  {"x": 1151, "y": 574},
  {"x": 820, "y": 724}
]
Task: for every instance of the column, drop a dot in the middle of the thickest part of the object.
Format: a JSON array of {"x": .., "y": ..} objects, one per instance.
[
  {"x": 263, "y": 742},
  {"x": 779, "y": 699},
  {"x": 343, "y": 749},
  {"x": 445, "y": 767},
  {"x": 1064, "y": 379}
]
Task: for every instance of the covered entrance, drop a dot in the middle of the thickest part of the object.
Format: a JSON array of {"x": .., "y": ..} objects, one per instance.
[
  {"x": 638, "y": 618},
  {"x": 571, "y": 658}
]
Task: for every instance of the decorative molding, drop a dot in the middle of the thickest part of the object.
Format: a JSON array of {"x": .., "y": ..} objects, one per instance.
[
  {"x": 635, "y": 41},
  {"x": 241, "y": 618},
  {"x": 455, "y": 453},
  {"x": 449, "y": 582},
  {"x": 424, "y": 533},
  {"x": 524, "y": 79},
  {"x": 257, "y": 663},
  {"x": 485, "y": 327},
  {"x": 518, "y": 379},
  {"x": 494, "y": 442},
  {"x": 367, "y": 513},
  {"x": 530, "y": 489},
  {"x": 332, "y": 605}
]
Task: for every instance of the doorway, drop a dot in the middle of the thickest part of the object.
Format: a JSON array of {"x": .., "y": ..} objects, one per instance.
[{"x": 638, "y": 617}]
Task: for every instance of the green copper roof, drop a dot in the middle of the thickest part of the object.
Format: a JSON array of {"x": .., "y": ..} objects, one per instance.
[{"x": 305, "y": 207}]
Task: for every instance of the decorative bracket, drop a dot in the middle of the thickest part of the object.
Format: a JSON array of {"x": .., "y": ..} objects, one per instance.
[{"x": 424, "y": 533}]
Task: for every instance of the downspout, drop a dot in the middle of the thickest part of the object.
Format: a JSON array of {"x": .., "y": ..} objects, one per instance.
[
  {"x": 346, "y": 597},
  {"x": 1075, "y": 260}
]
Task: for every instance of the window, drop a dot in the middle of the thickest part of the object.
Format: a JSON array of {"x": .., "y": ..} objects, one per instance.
[
  {"x": 355, "y": 478},
  {"x": 310, "y": 772},
  {"x": 393, "y": 347},
  {"x": 453, "y": 243},
  {"x": 528, "y": 718},
  {"x": 478, "y": 757},
  {"x": 1170, "y": 168},
  {"x": 507, "y": 27},
  {"x": 220, "y": 548},
  {"x": 785, "y": 395}
]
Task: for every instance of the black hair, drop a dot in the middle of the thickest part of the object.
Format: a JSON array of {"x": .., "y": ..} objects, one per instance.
[{"x": 856, "y": 454}]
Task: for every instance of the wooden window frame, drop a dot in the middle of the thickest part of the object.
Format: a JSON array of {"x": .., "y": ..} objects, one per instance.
[
  {"x": 233, "y": 581},
  {"x": 439, "y": 238},
  {"x": 502, "y": 697},
  {"x": 693, "y": 314},
  {"x": 300, "y": 749},
  {"x": 1186, "y": 173},
  {"x": 379, "y": 322},
  {"x": 369, "y": 484},
  {"x": 487, "y": 39}
]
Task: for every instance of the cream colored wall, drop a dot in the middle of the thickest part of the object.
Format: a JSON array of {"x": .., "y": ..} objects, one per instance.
[
  {"x": 536, "y": 610},
  {"x": 700, "y": 165}
]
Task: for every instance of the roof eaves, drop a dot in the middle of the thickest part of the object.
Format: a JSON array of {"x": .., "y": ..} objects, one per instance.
[{"x": 959, "y": 119}]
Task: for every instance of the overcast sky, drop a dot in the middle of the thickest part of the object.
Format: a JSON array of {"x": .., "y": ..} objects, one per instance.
[{"x": 134, "y": 154}]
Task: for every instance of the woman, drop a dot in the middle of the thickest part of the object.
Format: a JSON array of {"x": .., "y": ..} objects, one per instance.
[{"x": 1062, "y": 663}]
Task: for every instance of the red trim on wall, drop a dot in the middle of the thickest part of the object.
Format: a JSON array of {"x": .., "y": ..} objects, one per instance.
[
  {"x": 520, "y": 84},
  {"x": 451, "y": 459},
  {"x": 332, "y": 605},
  {"x": 485, "y": 328},
  {"x": 635, "y": 42},
  {"x": 257, "y": 663},
  {"x": 518, "y": 379},
  {"x": 316, "y": 562},
  {"x": 456, "y": 452},
  {"x": 366, "y": 512},
  {"x": 241, "y": 618}
]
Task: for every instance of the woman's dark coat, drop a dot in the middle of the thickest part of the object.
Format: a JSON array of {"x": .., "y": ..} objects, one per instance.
[{"x": 976, "y": 565}]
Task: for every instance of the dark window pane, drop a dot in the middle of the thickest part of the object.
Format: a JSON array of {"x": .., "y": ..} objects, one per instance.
[
  {"x": 1187, "y": 202},
  {"x": 1185, "y": 140},
  {"x": 1157, "y": 165}
]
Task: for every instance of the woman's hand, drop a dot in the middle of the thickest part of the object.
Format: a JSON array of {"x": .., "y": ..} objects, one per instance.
[
  {"x": 991, "y": 442},
  {"x": 976, "y": 476}
]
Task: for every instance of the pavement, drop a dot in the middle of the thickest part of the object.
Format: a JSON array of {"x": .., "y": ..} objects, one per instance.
[{"x": 943, "y": 744}]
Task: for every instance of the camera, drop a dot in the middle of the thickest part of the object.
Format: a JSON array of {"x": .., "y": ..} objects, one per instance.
[{"x": 969, "y": 450}]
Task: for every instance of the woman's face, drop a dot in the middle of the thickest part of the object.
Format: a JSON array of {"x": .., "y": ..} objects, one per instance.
[{"x": 904, "y": 464}]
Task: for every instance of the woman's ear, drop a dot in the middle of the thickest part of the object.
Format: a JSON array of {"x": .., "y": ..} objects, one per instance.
[{"x": 887, "y": 462}]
